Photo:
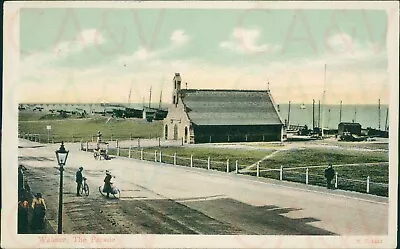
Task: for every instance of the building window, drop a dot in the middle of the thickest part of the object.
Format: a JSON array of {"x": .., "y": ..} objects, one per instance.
[
  {"x": 186, "y": 134},
  {"x": 166, "y": 132},
  {"x": 175, "y": 132}
]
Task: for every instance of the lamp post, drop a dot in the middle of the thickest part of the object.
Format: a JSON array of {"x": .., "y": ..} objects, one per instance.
[{"x": 61, "y": 155}]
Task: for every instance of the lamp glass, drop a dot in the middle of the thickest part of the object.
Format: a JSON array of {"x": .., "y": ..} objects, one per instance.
[{"x": 62, "y": 154}]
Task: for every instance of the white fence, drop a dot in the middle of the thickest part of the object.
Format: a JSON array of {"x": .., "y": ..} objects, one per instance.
[{"x": 233, "y": 166}]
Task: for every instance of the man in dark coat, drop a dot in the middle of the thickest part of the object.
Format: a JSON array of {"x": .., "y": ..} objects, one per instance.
[
  {"x": 329, "y": 174},
  {"x": 79, "y": 179}
]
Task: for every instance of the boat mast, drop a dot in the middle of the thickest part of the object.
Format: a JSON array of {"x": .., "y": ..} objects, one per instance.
[
  {"x": 386, "y": 122},
  {"x": 313, "y": 115},
  {"x": 379, "y": 114},
  {"x": 288, "y": 116},
  {"x": 323, "y": 100},
  {"x": 319, "y": 113},
  {"x": 340, "y": 112},
  {"x": 150, "y": 98}
]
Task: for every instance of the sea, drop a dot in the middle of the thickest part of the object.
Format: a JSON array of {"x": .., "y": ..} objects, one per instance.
[{"x": 328, "y": 116}]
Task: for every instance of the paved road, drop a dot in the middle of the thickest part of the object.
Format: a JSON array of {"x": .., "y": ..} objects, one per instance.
[{"x": 164, "y": 199}]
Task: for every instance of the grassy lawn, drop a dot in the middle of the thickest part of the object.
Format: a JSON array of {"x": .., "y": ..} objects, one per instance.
[
  {"x": 322, "y": 156},
  {"x": 77, "y": 129}
]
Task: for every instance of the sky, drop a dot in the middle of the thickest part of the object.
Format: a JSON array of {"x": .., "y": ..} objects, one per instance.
[{"x": 116, "y": 55}]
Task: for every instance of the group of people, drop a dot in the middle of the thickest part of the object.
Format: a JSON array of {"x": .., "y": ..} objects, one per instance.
[
  {"x": 79, "y": 181},
  {"x": 38, "y": 215}
]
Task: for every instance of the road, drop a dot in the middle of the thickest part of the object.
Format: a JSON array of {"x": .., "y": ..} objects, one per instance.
[{"x": 164, "y": 199}]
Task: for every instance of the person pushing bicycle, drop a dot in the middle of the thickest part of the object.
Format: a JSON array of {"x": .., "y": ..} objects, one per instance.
[
  {"x": 79, "y": 179},
  {"x": 107, "y": 183}
]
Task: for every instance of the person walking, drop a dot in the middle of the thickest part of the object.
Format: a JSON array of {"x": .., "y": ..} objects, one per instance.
[
  {"x": 79, "y": 179},
  {"x": 329, "y": 174},
  {"x": 39, "y": 211}
]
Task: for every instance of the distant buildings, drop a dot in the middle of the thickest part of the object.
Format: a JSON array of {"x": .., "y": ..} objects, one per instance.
[{"x": 204, "y": 116}]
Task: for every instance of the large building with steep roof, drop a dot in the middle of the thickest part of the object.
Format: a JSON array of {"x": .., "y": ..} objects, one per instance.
[{"x": 218, "y": 115}]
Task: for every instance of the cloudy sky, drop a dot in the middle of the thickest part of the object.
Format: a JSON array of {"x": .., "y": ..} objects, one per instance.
[{"x": 107, "y": 55}]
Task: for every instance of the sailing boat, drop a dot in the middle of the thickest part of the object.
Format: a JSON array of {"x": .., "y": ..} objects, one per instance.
[{"x": 303, "y": 106}]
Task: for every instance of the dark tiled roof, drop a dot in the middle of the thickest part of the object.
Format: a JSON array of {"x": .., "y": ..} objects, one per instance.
[{"x": 230, "y": 107}]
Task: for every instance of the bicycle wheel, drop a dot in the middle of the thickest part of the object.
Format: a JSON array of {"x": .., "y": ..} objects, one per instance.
[
  {"x": 86, "y": 189},
  {"x": 101, "y": 191},
  {"x": 117, "y": 194}
]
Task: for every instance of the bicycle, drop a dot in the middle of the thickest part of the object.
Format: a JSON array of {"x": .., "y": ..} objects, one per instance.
[
  {"x": 85, "y": 187},
  {"x": 114, "y": 191}
]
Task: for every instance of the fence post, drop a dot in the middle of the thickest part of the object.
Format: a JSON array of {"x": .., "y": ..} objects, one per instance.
[
  {"x": 237, "y": 167},
  {"x": 208, "y": 163},
  {"x": 307, "y": 176},
  {"x": 81, "y": 145},
  {"x": 87, "y": 145},
  {"x": 175, "y": 158},
  {"x": 118, "y": 151},
  {"x": 116, "y": 143},
  {"x": 258, "y": 169},
  {"x": 141, "y": 154},
  {"x": 160, "y": 156},
  {"x": 281, "y": 173},
  {"x": 368, "y": 179},
  {"x": 129, "y": 151},
  {"x": 138, "y": 142},
  {"x": 159, "y": 142},
  {"x": 227, "y": 165},
  {"x": 155, "y": 156},
  {"x": 191, "y": 160},
  {"x": 336, "y": 180},
  {"x": 182, "y": 141}
]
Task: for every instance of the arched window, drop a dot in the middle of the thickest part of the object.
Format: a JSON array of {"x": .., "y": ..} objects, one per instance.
[
  {"x": 175, "y": 132},
  {"x": 166, "y": 132},
  {"x": 186, "y": 134}
]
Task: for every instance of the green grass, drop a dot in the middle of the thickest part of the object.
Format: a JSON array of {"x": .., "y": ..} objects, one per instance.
[
  {"x": 31, "y": 116},
  {"x": 77, "y": 129},
  {"x": 322, "y": 156}
]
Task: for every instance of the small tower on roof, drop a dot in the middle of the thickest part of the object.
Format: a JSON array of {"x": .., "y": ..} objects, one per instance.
[{"x": 177, "y": 80}]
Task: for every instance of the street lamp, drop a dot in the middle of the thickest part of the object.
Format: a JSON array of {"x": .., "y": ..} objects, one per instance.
[{"x": 62, "y": 156}]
